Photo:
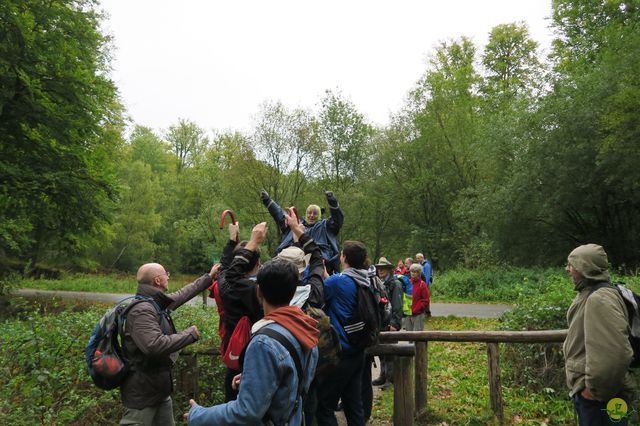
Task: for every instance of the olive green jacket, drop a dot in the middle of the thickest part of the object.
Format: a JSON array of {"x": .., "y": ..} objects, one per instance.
[{"x": 597, "y": 349}]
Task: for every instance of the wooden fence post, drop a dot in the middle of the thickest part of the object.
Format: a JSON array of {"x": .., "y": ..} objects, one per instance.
[
  {"x": 403, "y": 391},
  {"x": 495, "y": 392},
  {"x": 188, "y": 376},
  {"x": 422, "y": 360}
]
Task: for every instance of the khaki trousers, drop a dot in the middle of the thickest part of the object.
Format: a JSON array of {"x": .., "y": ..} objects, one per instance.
[{"x": 158, "y": 415}]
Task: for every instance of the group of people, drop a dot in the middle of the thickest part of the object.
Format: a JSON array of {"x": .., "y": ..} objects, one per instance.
[{"x": 276, "y": 381}]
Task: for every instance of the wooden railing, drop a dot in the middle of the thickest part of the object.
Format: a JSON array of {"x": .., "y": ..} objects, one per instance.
[
  {"x": 410, "y": 384},
  {"x": 410, "y": 364}
]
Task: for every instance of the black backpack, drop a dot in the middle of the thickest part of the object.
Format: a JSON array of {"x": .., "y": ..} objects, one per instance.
[
  {"x": 106, "y": 361},
  {"x": 632, "y": 302},
  {"x": 384, "y": 305},
  {"x": 364, "y": 326}
]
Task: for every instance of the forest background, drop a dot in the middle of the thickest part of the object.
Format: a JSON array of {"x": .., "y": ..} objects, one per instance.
[{"x": 498, "y": 157}]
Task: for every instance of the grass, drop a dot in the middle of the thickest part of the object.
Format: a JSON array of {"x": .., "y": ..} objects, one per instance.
[
  {"x": 458, "y": 391},
  {"x": 125, "y": 284}
]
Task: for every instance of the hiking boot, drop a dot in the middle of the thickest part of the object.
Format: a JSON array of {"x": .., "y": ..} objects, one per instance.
[
  {"x": 380, "y": 380},
  {"x": 386, "y": 385}
]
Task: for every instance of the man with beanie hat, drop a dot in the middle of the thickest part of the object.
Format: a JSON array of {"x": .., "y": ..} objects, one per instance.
[{"x": 597, "y": 349}]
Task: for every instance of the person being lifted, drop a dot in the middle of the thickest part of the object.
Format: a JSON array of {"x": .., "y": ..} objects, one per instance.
[{"x": 323, "y": 231}]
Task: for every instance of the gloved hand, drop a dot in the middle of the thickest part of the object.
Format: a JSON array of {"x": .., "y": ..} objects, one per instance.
[
  {"x": 264, "y": 196},
  {"x": 331, "y": 199}
]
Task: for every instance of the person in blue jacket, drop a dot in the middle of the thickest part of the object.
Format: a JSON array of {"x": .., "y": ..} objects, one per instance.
[
  {"x": 344, "y": 382},
  {"x": 269, "y": 389},
  {"x": 426, "y": 268},
  {"x": 323, "y": 231}
]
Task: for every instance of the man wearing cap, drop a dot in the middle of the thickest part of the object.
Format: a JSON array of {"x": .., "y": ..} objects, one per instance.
[
  {"x": 597, "y": 349},
  {"x": 394, "y": 322},
  {"x": 323, "y": 231}
]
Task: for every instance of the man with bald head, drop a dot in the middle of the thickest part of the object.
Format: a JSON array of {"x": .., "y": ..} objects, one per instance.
[
  {"x": 323, "y": 231},
  {"x": 151, "y": 344}
]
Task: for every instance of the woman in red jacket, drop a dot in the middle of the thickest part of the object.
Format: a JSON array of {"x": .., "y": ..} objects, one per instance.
[{"x": 420, "y": 300}]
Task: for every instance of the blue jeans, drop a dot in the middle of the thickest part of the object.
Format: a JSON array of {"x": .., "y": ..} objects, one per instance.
[
  {"x": 344, "y": 382},
  {"x": 594, "y": 413}
]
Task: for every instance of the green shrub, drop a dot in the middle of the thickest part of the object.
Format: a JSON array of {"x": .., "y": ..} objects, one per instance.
[
  {"x": 493, "y": 284},
  {"x": 9, "y": 282},
  {"x": 44, "y": 378},
  {"x": 539, "y": 366}
]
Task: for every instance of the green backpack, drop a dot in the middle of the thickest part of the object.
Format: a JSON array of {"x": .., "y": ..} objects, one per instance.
[
  {"x": 407, "y": 298},
  {"x": 328, "y": 342}
]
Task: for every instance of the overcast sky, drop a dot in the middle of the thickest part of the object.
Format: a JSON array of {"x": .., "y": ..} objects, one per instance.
[{"x": 215, "y": 62}]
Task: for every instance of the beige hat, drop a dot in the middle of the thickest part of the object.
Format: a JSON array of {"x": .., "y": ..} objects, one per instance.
[
  {"x": 384, "y": 263},
  {"x": 590, "y": 260},
  {"x": 294, "y": 255}
]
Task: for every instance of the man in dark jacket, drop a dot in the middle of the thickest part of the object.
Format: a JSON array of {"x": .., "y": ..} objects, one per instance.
[
  {"x": 323, "y": 231},
  {"x": 238, "y": 293},
  {"x": 151, "y": 343},
  {"x": 394, "y": 323}
]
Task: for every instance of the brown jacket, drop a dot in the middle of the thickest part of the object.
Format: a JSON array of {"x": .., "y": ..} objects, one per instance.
[{"x": 151, "y": 344}]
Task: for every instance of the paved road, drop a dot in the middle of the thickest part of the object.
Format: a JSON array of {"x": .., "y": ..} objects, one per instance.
[
  {"x": 437, "y": 309},
  {"x": 98, "y": 297}
]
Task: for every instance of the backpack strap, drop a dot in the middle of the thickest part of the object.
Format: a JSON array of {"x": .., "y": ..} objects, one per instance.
[
  {"x": 598, "y": 286},
  {"x": 296, "y": 360},
  {"x": 629, "y": 302},
  {"x": 139, "y": 299}
]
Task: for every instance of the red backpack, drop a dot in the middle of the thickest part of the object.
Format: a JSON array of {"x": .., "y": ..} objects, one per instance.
[
  {"x": 237, "y": 342},
  {"x": 214, "y": 293}
]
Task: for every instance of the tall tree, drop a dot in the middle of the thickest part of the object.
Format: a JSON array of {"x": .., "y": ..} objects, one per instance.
[
  {"x": 439, "y": 160},
  {"x": 283, "y": 139},
  {"x": 344, "y": 141},
  {"x": 60, "y": 122},
  {"x": 580, "y": 169},
  {"x": 510, "y": 61},
  {"x": 147, "y": 147},
  {"x": 187, "y": 141}
]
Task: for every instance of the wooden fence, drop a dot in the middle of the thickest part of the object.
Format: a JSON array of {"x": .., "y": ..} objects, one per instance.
[
  {"x": 416, "y": 386},
  {"x": 410, "y": 364}
]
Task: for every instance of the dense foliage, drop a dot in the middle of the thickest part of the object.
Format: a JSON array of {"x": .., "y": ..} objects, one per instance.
[
  {"x": 60, "y": 129},
  {"x": 536, "y": 366},
  {"x": 498, "y": 157},
  {"x": 44, "y": 378},
  {"x": 495, "y": 284}
]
